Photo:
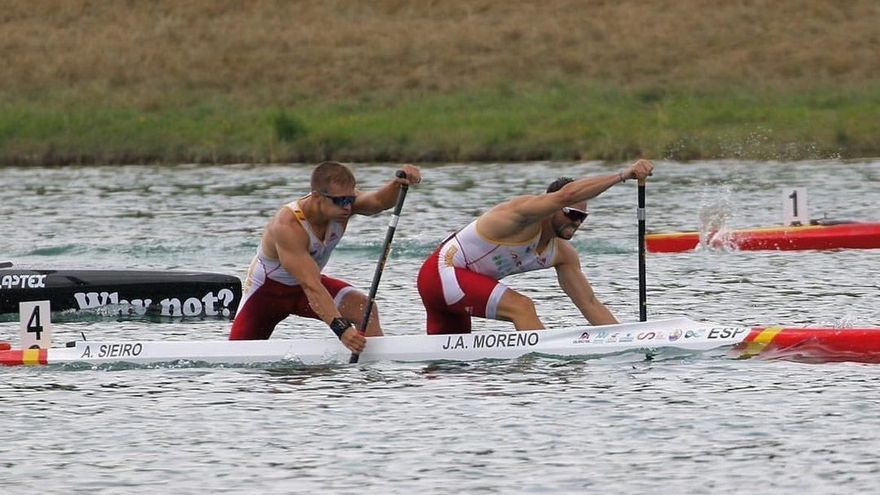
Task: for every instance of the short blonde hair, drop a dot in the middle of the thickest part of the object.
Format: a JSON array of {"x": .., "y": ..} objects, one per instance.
[{"x": 327, "y": 173}]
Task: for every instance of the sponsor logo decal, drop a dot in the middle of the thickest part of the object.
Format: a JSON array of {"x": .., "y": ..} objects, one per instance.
[
  {"x": 14, "y": 281},
  {"x": 675, "y": 335},
  {"x": 207, "y": 305},
  {"x": 583, "y": 339}
]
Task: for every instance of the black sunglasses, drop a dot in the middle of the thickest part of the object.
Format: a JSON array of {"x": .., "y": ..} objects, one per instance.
[
  {"x": 340, "y": 201},
  {"x": 574, "y": 214}
]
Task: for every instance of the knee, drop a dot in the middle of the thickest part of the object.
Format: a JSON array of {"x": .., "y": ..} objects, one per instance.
[
  {"x": 353, "y": 302},
  {"x": 516, "y": 306},
  {"x": 354, "y": 307}
]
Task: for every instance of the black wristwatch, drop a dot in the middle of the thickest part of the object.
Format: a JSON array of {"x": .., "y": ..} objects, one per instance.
[{"x": 340, "y": 325}]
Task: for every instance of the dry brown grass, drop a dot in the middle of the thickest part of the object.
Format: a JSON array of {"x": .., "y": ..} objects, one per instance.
[{"x": 276, "y": 51}]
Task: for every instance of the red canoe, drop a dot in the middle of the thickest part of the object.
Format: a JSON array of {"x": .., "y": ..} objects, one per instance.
[
  {"x": 817, "y": 345},
  {"x": 842, "y": 235}
]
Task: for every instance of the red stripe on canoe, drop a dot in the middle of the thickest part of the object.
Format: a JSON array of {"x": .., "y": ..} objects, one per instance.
[
  {"x": 25, "y": 357},
  {"x": 838, "y": 236},
  {"x": 813, "y": 344}
]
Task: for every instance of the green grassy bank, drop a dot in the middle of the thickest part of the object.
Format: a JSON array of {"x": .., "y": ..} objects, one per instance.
[
  {"x": 498, "y": 124},
  {"x": 460, "y": 80}
]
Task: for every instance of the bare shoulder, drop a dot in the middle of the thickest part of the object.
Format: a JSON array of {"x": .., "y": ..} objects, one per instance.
[
  {"x": 511, "y": 208},
  {"x": 566, "y": 254},
  {"x": 505, "y": 222},
  {"x": 517, "y": 201},
  {"x": 285, "y": 231}
]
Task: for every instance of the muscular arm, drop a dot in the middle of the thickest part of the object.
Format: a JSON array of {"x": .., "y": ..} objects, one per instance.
[
  {"x": 292, "y": 246},
  {"x": 507, "y": 220},
  {"x": 537, "y": 207},
  {"x": 371, "y": 203},
  {"x": 574, "y": 283}
]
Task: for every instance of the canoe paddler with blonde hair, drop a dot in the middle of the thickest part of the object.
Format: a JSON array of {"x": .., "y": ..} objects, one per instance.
[{"x": 285, "y": 276}]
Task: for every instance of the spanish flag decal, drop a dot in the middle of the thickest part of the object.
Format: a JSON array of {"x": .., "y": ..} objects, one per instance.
[{"x": 758, "y": 340}]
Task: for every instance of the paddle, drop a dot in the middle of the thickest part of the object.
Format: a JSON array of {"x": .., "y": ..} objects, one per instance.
[
  {"x": 377, "y": 275},
  {"x": 5, "y": 264},
  {"x": 643, "y": 297}
]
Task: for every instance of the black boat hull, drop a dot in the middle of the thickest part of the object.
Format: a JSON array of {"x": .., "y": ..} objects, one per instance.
[{"x": 122, "y": 292}]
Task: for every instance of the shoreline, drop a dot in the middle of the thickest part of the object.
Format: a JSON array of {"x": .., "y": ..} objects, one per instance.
[
  {"x": 455, "y": 81},
  {"x": 508, "y": 124}
]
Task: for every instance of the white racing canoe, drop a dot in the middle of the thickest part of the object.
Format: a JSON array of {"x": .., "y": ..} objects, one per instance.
[{"x": 680, "y": 333}]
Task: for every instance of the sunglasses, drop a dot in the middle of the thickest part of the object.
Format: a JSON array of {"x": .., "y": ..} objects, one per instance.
[
  {"x": 340, "y": 201},
  {"x": 574, "y": 214}
]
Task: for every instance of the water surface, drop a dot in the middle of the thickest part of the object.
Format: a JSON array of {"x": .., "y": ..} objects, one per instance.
[{"x": 619, "y": 424}]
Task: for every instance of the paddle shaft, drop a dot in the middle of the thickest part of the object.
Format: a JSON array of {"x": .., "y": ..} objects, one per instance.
[
  {"x": 386, "y": 249},
  {"x": 5, "y": 264},
  {"x": 643, "y": 290}
]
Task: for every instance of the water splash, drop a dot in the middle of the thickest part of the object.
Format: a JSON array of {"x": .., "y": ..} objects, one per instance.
[{"x": 715, "y": 215}]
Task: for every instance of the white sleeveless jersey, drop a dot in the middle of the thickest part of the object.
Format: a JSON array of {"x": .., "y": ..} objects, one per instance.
[
  {"x": 471, "y": 250},
  {"x": 264, "y": 267}
]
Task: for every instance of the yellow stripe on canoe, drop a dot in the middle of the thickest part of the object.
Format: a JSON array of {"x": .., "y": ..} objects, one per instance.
[
  {"x": 30, "y": 357},
  {"x": 760, "y": 342}
]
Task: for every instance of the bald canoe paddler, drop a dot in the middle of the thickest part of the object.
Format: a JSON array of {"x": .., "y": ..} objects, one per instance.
[{"x": 462, "y": 278}]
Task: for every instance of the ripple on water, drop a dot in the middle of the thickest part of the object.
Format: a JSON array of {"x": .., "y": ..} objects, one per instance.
[{"x": 677, "y": 422}]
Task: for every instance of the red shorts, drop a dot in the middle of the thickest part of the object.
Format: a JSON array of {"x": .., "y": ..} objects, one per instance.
[
  {"x": 481, "y": 295},
  {"x": 272, "y": 302}
]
